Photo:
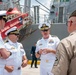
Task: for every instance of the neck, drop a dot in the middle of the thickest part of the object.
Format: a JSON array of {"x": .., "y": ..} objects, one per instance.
[
  {"x": 46, "y": 37},
  {"x": 14, "y": 41}
]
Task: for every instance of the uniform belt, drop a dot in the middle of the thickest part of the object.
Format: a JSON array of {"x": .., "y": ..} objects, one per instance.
[{"x": 46, "y": 61}]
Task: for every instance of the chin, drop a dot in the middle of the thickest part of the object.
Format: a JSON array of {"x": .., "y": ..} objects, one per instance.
[{"x": 46, "y": 37}]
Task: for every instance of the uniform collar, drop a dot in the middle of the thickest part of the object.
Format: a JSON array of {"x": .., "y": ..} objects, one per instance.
[
  {"x": 73, "y": 32},
  {"x": 48, "y": 38},
  {"x": 11, "y": 42}
]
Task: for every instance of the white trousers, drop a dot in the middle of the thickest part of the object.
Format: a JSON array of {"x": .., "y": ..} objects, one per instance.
[{"x": 46, "y": 67}]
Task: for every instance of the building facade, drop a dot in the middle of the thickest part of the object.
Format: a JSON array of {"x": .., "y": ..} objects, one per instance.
[
  {"x": 6, "y": 4},
  {"x": 61, "y": 10}
]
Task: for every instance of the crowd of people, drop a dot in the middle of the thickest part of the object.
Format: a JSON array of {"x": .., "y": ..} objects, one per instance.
[{"x": 56, "y": 57}]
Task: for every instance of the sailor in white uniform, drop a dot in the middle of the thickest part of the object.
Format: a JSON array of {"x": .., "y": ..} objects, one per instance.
[
  {"x": 3, "y": 52},
  {"x": 18, "y": 58},
  {"x": 46, "y": 49}
]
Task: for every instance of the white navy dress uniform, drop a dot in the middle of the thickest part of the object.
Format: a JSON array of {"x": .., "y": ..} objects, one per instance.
[
  {"x": 47, "y": 60},
  {"x": 2, "y": 61},
  {"x": 15, "y": 59}
]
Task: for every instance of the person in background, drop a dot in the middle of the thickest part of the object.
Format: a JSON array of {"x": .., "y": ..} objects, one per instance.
[
  {"x": 18, "y": 58},
  {"x": 65, "y": 63},
  {"x": 46, "y": 49},
  {"x": 4, "y": 54},
  {"x": 34, "y": 59}
]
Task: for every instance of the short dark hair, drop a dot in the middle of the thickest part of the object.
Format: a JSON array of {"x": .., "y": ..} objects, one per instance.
[{"x": 73, "y": 14}]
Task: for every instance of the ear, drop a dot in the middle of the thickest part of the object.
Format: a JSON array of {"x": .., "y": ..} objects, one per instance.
[{"x": 70, "y": 24}]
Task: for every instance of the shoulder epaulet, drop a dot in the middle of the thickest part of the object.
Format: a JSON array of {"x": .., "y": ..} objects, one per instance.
[
  {"x": 6, "y": 41},
  {"x": 53, "y": 35}
]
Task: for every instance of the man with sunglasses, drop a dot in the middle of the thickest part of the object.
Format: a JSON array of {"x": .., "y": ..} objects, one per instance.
[
  {"x": 65, "y": 63},
  {"x": 3, "y": 52},
  {"x": 46, "y": 49},
  {"x": 18, "y": 58}
]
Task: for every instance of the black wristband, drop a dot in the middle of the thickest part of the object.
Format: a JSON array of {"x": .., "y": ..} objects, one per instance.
[
  {"x": 10, "y": 53},
  {"x": 38, "y": 53}
]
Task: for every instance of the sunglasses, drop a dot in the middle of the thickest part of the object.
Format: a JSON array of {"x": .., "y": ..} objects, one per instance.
[
  {"x": 16, "y": 34},
  {"x": 13, "y": 33},
  {"x": 44, "y": 30},
  {"x": 4, "y": 18}
]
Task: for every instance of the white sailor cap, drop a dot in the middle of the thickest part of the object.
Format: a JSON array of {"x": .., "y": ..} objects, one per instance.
[
  {"x": 12, "y": 30},
  {"x": 2, "y": 12},
  {"x": 44, "y": 26},
  {"x": 3, "y": 15}
]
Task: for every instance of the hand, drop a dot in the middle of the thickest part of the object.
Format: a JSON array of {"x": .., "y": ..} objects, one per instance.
[
  {"x": 37, "y": 54},
  {"x": 4, "y": 53},
  {"x": 40, "y": 51},
  {"x": 45, "y": 51},
  {"x": 9, "y": 68},
  {"x": 24, "y": 63}
]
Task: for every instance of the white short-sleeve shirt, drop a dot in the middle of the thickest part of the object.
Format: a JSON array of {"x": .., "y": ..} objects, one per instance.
[{"x": 50, "y": 43}]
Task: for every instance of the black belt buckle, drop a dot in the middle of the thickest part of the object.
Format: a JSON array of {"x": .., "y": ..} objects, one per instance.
[{"x": 19, "y": 68}]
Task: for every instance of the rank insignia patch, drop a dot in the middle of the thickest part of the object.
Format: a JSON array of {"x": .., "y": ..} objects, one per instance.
[
  {"x": 12, "y": 48},
  {"x": 51, "y": 41},
  {"x": 56, "y": 62},
  {"x": 57, "y": 58}
]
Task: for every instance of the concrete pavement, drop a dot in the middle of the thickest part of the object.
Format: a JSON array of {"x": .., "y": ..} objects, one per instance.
[{"x": 31, "y": 71}]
